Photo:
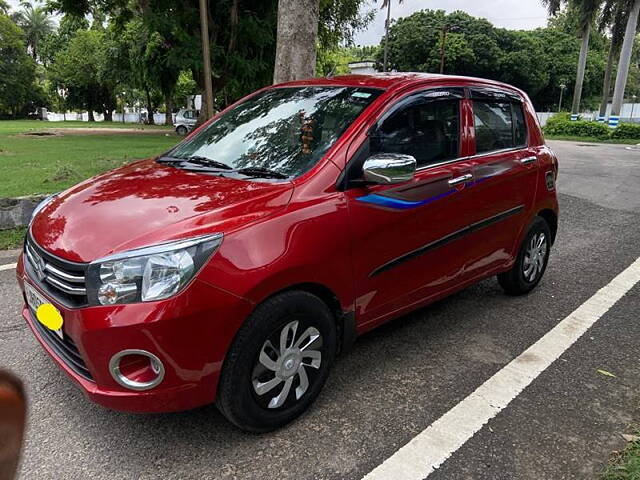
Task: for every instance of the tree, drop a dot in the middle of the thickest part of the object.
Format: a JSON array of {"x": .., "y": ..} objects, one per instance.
[
  {"x": 536, "y": 61},
  {"x": 296, "y": 40},
  {"x": 17, "y": 69},
  {"x": 37, "y": 25},
  {"x": 242, "y": 35},
  {"x": 83, "y": 69},
  {"x": 625, "y": 58},
  {"x": 614, "y": 15},
  {"x": 586, "y": 11}
]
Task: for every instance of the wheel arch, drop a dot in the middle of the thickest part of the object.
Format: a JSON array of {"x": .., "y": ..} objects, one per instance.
[
  {"x": 345, "y": 321},
  {"x": 552, "y": 220}
]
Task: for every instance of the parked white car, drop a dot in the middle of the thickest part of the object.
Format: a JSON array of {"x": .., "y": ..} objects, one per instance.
[{"x": 186, "y": 120}]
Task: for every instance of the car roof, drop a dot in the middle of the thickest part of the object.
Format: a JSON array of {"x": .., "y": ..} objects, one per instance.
[{"x": 396, "y": 80}]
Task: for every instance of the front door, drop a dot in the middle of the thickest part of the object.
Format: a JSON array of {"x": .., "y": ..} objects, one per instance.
[{"x": 403, "y": 236}]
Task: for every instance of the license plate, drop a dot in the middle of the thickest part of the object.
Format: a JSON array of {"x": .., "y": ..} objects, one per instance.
[{"x": 34, "y": 300}]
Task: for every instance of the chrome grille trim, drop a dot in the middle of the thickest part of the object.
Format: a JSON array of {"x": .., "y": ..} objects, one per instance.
[
  {"x": 64, "y": 287},
  {"x": 64, "y": 275},
  {"x": 62, "y": 279}
]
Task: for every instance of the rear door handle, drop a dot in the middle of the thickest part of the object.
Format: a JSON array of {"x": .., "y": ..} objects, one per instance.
[
  {"x": 459, "y": 180},
  {"x": 524, "y": 161}
]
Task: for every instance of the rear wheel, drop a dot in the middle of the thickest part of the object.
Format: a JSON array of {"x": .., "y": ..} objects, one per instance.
[
  {"x": 531, "y": 261},
  {"x": 278, "y": 362},
  {"x": 181, "y": 130}
]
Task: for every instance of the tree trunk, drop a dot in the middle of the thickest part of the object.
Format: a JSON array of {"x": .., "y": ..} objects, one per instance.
[
  {"x": 582, "y": 63},
  {"x": 606, "y": 84},
  {"x": 149, "y": 108},
  {"x": 296, "y": 42},
  {"x": 168, "y": 117},
  {"x": 625, "y": 59},
  {"x": 108, "y": 115},
  {"x": 91, "y": 118}
]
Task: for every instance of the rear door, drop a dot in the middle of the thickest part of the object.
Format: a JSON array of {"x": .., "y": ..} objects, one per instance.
[{"x": 504, "y": 170}]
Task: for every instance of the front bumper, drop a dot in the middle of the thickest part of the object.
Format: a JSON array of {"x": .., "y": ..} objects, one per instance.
[{"x": 190, "y": 333}]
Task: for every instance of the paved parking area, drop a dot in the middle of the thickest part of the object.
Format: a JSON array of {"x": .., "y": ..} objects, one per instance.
[{"x": 400, "y": 378}]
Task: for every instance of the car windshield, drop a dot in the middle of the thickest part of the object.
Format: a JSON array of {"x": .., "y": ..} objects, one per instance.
[{"x": 282, "y": 130}]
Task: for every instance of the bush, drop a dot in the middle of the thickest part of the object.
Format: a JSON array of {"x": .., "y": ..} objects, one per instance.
[
  {"x": 626, "y": 130},
  {"x": 580, "y": 128}
]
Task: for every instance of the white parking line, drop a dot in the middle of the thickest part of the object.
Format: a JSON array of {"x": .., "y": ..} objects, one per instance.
[
  {"x": 430, "y": 448},
  {"x": 8, "y": 266}
]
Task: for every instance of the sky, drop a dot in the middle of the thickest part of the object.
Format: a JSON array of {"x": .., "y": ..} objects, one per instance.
[{"x": 511, "y": 14}]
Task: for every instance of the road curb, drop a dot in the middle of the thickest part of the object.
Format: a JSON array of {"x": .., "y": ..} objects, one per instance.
[{"x": 16, "y": 212}]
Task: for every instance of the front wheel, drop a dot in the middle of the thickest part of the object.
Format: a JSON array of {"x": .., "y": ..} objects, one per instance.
[
  {"x": 531, "y": 261},
  {"x": 278, "y": 362},
  {"x": 181, "y": 130}
]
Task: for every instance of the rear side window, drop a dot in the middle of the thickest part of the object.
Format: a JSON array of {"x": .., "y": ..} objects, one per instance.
[
  {"x": 498, "y": 125},
  {"x": 428, "y": 130}
]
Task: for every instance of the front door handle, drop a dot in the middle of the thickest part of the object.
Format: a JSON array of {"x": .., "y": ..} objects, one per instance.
[
  {"x": 524, "y": 161},
  {"x": 459, "y": 180}
]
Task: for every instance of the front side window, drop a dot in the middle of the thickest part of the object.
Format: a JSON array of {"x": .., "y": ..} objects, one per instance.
[
  {"x": 498, "y": 125},
  {"x": 283, "y": 130},
  {"x": 428, "y": 130}
]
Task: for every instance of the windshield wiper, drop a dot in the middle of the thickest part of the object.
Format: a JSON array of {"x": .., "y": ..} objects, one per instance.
[
  {"x": 260, "y": 172},
  {"x": 196, "y": 160},
  {"x": 208, "y": 162}
]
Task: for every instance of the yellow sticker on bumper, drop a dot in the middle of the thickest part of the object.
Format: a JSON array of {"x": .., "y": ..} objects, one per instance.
[{"x": 49, "y": 316}]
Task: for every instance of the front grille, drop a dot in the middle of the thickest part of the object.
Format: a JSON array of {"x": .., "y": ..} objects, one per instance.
[
  {"x": 62, "y": 279},
  {"x": 65, "y": 348}
]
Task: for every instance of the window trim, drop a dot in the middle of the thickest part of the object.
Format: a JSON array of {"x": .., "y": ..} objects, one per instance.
[
  {"x": 456, "y": 93},
  {"x": 460, "y": 93}
]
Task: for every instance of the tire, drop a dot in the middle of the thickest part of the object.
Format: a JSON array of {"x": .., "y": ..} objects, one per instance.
[
  {"x": 525, "y": 275},
  {"x": 182, "y": 130},
  {"x": 245, "y": 396}
]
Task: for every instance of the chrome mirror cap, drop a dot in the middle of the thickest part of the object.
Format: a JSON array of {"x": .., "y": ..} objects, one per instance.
[{"x": 389, "y": 168}]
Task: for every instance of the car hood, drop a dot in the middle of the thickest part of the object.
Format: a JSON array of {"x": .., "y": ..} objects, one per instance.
[{"x": 145, "y": 203}]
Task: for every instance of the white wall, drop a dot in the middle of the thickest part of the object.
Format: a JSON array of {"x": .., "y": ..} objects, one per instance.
[{"x": 158, "y": 118}]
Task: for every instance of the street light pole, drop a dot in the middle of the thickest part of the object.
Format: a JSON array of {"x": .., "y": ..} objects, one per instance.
[
  {"x": 386, "y": 36},
  {"x": 206, "y": 59},
  {"x": 562, "y": 87},
  {"x": 633, "y": 106}
]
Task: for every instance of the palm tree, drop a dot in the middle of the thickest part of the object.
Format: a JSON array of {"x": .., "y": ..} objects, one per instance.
[
  {"x": 614, "y": 19},
  {"x": 36, "y": 23},
  {"x": 587, "y": 10},
  {"x": 625, "y": 58},
  {"x": 387, "y": 4}
]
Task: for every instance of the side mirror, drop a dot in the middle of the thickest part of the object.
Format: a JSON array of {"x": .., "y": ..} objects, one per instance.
[{"x": 389, "y": 168}]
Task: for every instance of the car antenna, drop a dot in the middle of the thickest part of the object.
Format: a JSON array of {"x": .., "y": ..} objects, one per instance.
[{"x": 331, "y": 72}]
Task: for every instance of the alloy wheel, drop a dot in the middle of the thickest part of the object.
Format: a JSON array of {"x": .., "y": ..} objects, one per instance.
[
  {"x": 283, "y": 373},
  {"x": 534, "y": 257}
]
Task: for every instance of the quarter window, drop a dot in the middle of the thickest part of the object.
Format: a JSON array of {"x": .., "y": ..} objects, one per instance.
[
  {"x": 498, "y": 125},
  {"x": 429, "y": 130}
]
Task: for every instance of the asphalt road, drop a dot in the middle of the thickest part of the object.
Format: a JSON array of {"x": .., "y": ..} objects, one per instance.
[{"x": 400, "y": 378}]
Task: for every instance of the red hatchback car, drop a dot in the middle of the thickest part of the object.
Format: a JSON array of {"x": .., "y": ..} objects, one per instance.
[{"x": 233, "y": 268}]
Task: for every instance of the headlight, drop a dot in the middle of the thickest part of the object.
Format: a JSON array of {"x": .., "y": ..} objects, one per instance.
[
  {"x": 42, "y": 204},
  {"x": 149, "y": 273}
]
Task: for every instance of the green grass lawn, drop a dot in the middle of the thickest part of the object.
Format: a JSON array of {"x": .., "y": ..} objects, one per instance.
[
  {"x": 18, "y": 126},
  {"x": 627, "y": 464},
  {"x": 36, "y": 165},
  {"x": 12, "y": 238},
  {"x": 620, "y": 141}
]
